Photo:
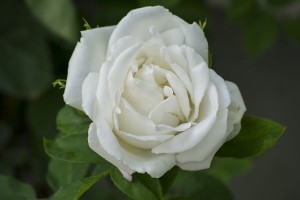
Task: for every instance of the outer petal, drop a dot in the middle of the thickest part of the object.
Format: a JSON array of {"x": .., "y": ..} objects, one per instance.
[
  {"x": 94, "y": 143},
  {"x": 210, "y": 144},
  {"x": 89, "y": 89},
  {"x": 205, "y": 150},
  {"x": 135, "y": 22},
  {"x": 104, "y": 142},
  {"x": 194, "y": 166},
  {"x": 237, "y": 109},
  {"x": 142, "y": 161},
  {"x": 107, "y": 138},
  {"x": 194, "y": 38},
  {"x": 87, "y": 57}
]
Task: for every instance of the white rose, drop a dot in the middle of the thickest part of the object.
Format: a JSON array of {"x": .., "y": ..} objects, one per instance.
[{"x": 153, "y": 100}]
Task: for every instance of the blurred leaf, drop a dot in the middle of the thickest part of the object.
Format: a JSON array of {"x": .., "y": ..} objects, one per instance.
[
  {"x": 41, "y": 112},
  {"x": 293, "y": 28},
  {"x": 279, "y": 2},
  {"x": 70, "y": 121},
  {"x": 41, "y": 115},
  {"x": 142, "y": 186},
  {"x": 225, "y": 168},
  {"x": 76, "y": 189},
  {"x": 61, "y": 173},
  {"x": 25, "y": 66},
  {"x": 259, "y": 34},
  {"x": 239, "y": 9},
  {"x": 167, "y": 180},
  {"x": 199, "y": 185},
  {"x": 105, "y": 190},
  {"x": 13, "y": 189},
  {"x": 9, "y": 161},
  {"x": 257, "y": 136},
  {"x": 165, "y": 3},
  {"x": 72, "y": 148},
  {"x": 5, "y": 133},
  {"x": 59, "y": 16}
]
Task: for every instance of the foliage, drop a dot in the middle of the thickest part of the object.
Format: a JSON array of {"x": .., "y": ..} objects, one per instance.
[{"x": 37, "y": 38}]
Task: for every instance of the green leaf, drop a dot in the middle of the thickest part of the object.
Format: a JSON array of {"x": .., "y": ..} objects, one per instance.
[
  {"x": 142, "y": 186},
  {"x": 72, "y": 148},
  {"x": 225, "y": 168},
  {"x": 76, "y": 189},
  {"x": 59, "y": 16},
  {"x": 70, "y": 121},
  {"x": 61, "y": 173},
  {"x": 14, "y": 190},
  {"x": 100, "y": 168},
  {"x": 167, "y": 180},
  {"x": 200, "y": 185},
  {"x": 25, "y": 63},
  {"x": 257, "y": 136}
]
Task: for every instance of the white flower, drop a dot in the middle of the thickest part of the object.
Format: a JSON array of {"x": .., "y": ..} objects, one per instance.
[{"x": 153, "y": 100}]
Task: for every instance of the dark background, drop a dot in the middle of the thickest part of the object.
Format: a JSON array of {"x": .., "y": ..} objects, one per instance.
[{"x": 255, "y": 44}]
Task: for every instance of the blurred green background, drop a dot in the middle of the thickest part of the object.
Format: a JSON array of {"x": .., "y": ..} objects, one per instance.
[{"x": 254, "y": 43}]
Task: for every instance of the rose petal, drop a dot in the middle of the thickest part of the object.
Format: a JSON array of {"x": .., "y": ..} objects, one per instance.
[
  {"x": 143, "y": 96},
  {"x": 131, "y": 121},
  {"x": 167, "y": 112},
  {"x": 180, "y": 128},
  {"x": 103, "y": 96},
  {"x": 121, "y": 45},
  {"x": 118, "y": 72},
  {"x": 210, "y": 143},
  {"x": 237, "y": 109},
  {"x": 87, "y": 57},
  {"x": 194, "y": 166},
  {"x": 142, "y": 161},
  {"x": 154, "y": 51},
  {"x": 146, "y": 73},
  {"x": 199, "y": 74},
  {"x": 160, "y": 18},
  {"x": 134, "y": 23},
  {"x": 218, "y": 134},
  {"x": 179, "y": 66},
  {"x": 223, "y": 92},
  {"x": 172, "y": 36},
  {"x": 89, "y": 88},
  {"x": 95, "y": 145},
  {"x": 194, "y": 38},
  {"x": 107, "y": 138},
  {"x": 192, "y": 136},
  {"x": 134, "y": 122},
  {"x": 180, "y": 92},
  {"x": 143, "y": 141}
]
